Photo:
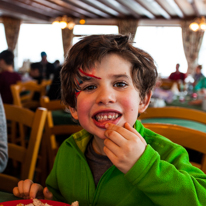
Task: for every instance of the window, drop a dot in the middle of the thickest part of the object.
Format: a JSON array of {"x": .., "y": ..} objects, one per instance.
[
  {"x": 3, "y": 44},
  {"x": 35, "y": 38},
  {"x": 164, "y": 44},
  {"x": 202, "y": 55}
]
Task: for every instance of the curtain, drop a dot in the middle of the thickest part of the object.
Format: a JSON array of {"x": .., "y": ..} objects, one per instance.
[
  {"x": 191, "y": 42},
  {"x": 128, "y": 27},
  {"x": 12, "y": 27},
  {"x": 67, "y": 36}
]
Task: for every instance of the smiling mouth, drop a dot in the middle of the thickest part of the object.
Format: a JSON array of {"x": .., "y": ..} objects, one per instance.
[{"x": 105, "y": 116}]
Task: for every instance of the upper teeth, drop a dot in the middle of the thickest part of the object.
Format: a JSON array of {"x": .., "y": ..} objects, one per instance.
[{"x": 103, "y": 117}]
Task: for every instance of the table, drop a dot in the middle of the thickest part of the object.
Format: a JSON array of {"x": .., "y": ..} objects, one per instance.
[
  {"x": 180, "y": 122},
  {"x": 4, "y": 196},
  {"x": 184, "y": 103}
]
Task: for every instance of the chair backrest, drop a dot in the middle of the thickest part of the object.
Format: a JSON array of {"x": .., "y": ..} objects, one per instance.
[
  {"x": 23, "y": 93},
  {"x": 167, "y": 84},
  {"x": 26, "y": 156},
  {"x": 51, "y": 130},
  {"x": 174, "y": 112},
  {"x": 51, "y": 104},
  {"x": 188, "y": 138}
]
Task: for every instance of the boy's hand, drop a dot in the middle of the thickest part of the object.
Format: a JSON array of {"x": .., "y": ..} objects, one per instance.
[
  {"x": 124, "y": 146},
  {"x": 28, "y": 190}
]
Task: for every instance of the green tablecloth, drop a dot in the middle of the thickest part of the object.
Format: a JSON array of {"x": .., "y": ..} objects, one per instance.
[
  {"x": 185, "y": 104},
  {"x": 180, "y": 122},
  {"x": 4, "y": 197}
]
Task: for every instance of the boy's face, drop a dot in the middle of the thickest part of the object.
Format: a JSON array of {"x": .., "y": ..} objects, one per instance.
[{"x": 110, "y": 96}]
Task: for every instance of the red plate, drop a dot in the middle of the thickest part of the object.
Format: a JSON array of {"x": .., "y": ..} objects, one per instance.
[{"x": 27, "y": 201}]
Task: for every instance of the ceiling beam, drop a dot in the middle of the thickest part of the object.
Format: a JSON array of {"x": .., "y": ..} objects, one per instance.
[
  {"x": 73, "y": 8},
  {"x": 17, "y": 9},
  {"x": 146, "y": 10},
  {"x": 91, "y": 9},
  {"x": 104, "y": 7},
  {"x": 194, "y": 7},
  {"x": 52, "y": 4},
  {"x": 158, "y": 6},
  {"x": 127, "y": 7},
  {"x": 176, "y": 8},
  {"x": 114, "y": 5},
  {"x": 34, "y": 6}
]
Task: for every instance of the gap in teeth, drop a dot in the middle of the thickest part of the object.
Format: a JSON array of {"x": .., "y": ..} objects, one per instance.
[{"x": 105, "y": 117}]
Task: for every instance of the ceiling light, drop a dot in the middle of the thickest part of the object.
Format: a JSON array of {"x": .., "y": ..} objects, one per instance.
[
  {"x": 55, "y": 23},
  {"x": 70, "y": 25},
  {"x": 64, "y": 22},
  {"x": 194, "y": 26},
  {"x": 198, "y": 24},
  {"x": 82, "y": 21}
]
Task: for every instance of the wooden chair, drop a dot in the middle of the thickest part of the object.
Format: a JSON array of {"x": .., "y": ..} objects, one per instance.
[
  {"x": 167, "y": 84},
  {"x": 188, "y": 138},
  {"x": 174, "y": 112},
  {"x": 26, "y": 156},
  {"x": 23, "y": 93},
  {"x": 26, "y": 101},
  {"x": 51, "y": 131}
]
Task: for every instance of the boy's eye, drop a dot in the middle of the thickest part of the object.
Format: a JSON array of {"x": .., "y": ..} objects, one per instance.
[
  {"x": 120, "y": 84},
  {"x": 89, "y": 88}
]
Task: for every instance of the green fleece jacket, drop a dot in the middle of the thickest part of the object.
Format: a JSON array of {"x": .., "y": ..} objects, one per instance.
[{"x": 162, "y": 176}]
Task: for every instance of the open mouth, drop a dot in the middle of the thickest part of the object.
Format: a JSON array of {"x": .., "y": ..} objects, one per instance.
[{"x": 106, "y": 116}]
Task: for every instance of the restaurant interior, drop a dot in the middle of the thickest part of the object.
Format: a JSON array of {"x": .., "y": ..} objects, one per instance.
[{"x": 38, "y": 122}]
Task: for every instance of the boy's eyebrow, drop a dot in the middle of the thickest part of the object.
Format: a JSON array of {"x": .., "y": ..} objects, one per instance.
[
  {"x": 120, "y": 75},
  {"x": 89, "y": 75}
]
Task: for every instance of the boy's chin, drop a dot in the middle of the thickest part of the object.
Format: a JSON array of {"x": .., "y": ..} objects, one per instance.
[{"x": 100, "y": 135}]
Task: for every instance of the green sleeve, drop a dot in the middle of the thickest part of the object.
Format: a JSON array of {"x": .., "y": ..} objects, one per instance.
[
  {"x": 51, "y": 183},
  {"x": 172, "y": 181},
  {"x": 200, "y": 84}
]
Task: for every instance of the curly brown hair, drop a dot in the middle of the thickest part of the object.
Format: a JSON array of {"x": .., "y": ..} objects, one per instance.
[{"x": 91, "y": 49}]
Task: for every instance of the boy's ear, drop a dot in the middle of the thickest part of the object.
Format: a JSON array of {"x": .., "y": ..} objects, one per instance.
[
  {"x": 144, "y": 103},
  {"x": 73, "y": 112}
]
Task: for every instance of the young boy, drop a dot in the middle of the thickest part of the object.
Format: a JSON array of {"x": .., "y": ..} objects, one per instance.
[{"x": 107, "y": 83}]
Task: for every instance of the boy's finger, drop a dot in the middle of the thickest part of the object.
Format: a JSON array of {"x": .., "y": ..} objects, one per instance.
[
  {"x": 130, "y": 128},
  {"x": 21, "y": 188},
  {"x": 36, "y": 189},
  {"x": 16, "y": 192},
  {"x": 47, "y": 194},
  {"x": 115, "y": 137},
  {"x": 26, "y": 187},
  {"x": 122, "y": 131},
  {"x": 109, "y": 154}
]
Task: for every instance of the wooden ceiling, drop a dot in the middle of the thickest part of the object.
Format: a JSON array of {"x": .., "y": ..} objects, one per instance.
[{"x": 45, "y": 11}]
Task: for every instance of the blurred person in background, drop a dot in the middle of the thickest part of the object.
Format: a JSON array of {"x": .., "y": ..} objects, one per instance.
[
  {"x": 36, "y": 72},
  {"x": 7, "y": 75},
  {"x": 198, "y": 74},
  {"x": 54, "y": 91},
  {"x": 48, "y": 68},
  {"x": 56, "y": 64},
  {"x": 177, "y": 75},
  {"x": 3, "y": 138},
  {"x": 200, "y": 87}
]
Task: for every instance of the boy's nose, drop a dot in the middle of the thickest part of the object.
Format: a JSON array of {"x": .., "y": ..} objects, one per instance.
[{"x": 105, "y": 97}]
